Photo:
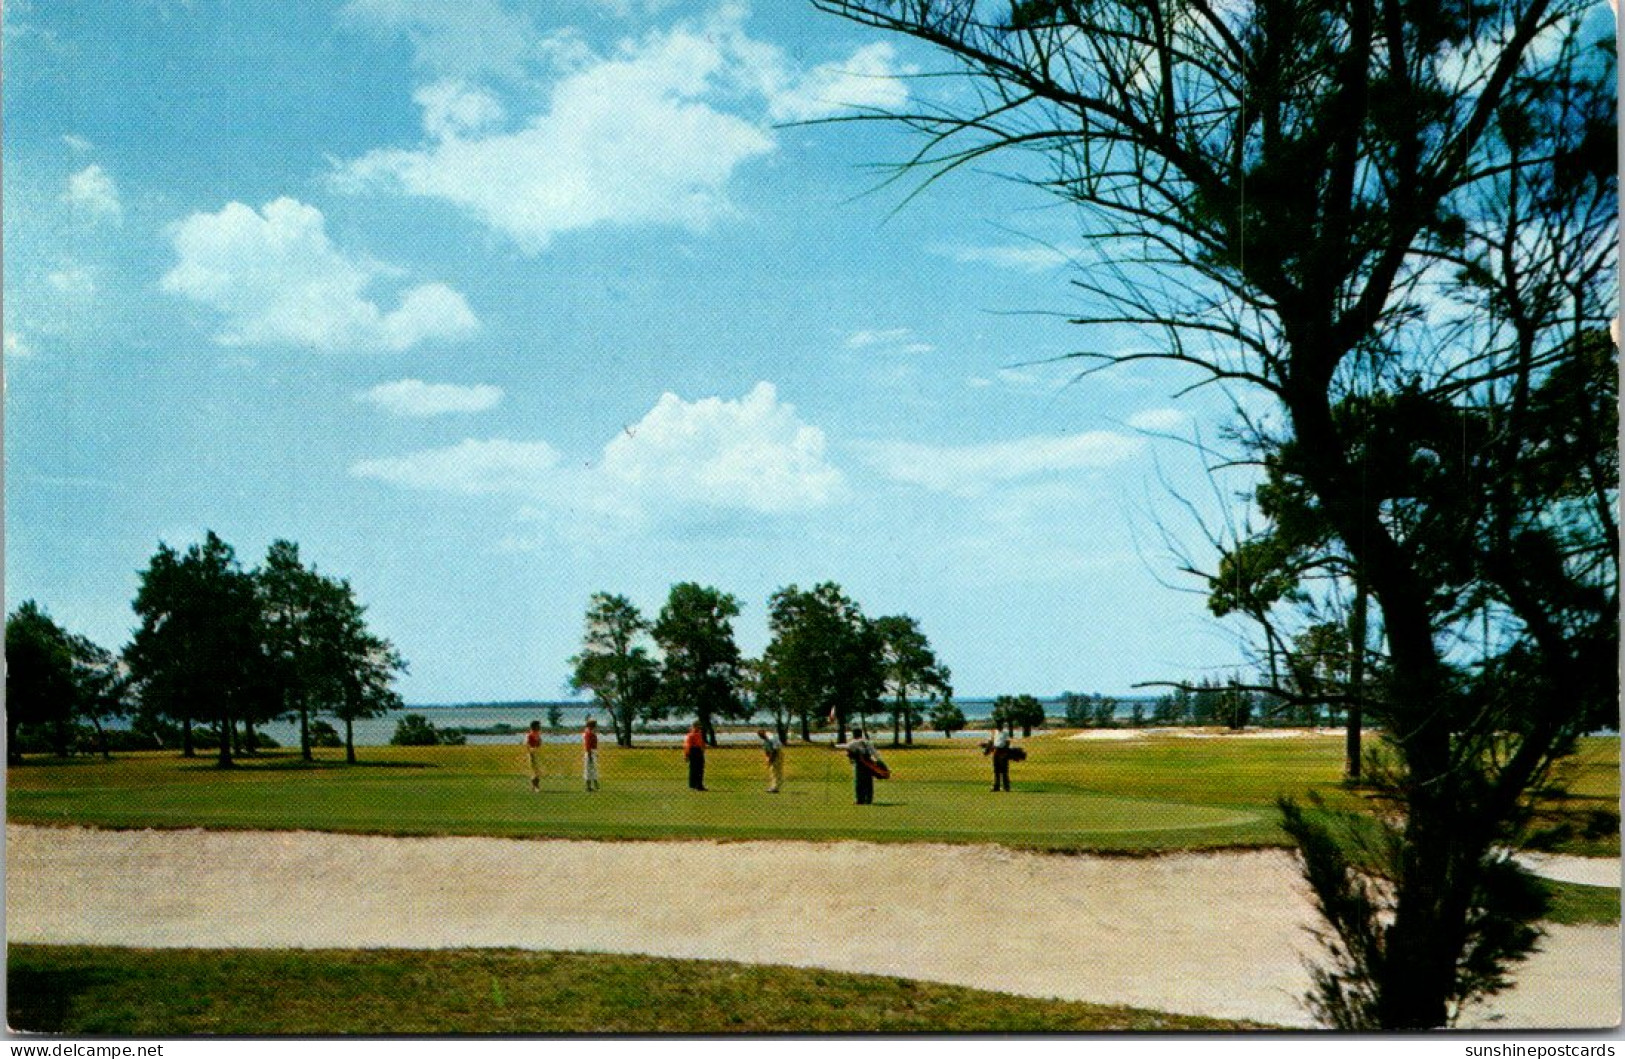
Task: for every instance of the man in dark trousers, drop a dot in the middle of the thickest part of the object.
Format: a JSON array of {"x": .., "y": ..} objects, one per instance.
[
  {"x": 862, "y": 752},
  {"x": 694, "y": 752},
  {"x": 1001, "y": 759}
]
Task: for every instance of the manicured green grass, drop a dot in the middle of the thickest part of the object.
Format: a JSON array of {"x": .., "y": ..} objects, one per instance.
[
  {"x": 1573, "y": 903},
  {"x": 1156, "y": 793},
  {"x": 173, "y": 993}
]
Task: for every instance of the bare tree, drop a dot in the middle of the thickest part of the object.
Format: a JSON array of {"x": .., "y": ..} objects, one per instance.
[{"x": 1396, "y": 218}]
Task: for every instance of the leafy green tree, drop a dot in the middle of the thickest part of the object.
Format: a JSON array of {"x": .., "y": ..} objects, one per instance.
[
  {"x": 759, "y": 683},
  {"x": 101, "y": 687},
  {"x": 555, "y": 717},
  {"x": 1173, "y": 708},
  {"x": 947, "y": 718},
  {"x": 1018, "y": 711},
  {"x": 323, "y": 734},
  {"x": 826, "y": 657},
  {"x": 39, "y": 676},
  {"x": 198, "y": 651},
  {"x": 414, "y": 729},
  {"x": 614, "y": 666},
  {"x": 358, "y": 667},
  {"x": 699, "y": 672},
  {"x": 1088, "y": 711},
  {"x": 297, "y": 604},
  {"x": 914, "y": 677},
  {"x": 1397, "y": 220}
]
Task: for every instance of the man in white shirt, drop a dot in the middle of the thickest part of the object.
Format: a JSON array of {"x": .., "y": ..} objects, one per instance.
[
  {"x": 1001, "y": 759},
  {"x": 774, "y": 749}
]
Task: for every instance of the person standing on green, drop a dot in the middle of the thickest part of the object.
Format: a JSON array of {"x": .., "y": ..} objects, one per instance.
[
  {"x": 533, "y": 750},
  {"x": 589, "y": 754},
  {"x": 861, "y": 752},
  {"x": 694, "y": 752},
  {"x": 774, "y": 749}
]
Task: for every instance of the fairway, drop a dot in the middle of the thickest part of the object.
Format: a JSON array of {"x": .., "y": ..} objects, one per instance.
[
  {"x": 1070, "y": 795},
  {"x": 1086, "y": 930},
  {"x": 1157, "y": 792}
]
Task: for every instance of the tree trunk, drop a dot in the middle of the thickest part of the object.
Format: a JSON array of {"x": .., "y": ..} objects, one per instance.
[
  {"x": 187, "y": 750},
  {"x": 1440, "y": 866},
  {"x": 897, "y": 727},
  {"x": 304, "y": 732},
  {"x": 228, "y": 728},
  {"x": 349, "y": 740},
  {"x": 101, "y": 738},
  {"x": 806, "y": 730},
  {"x": 1356, "y": 707}
]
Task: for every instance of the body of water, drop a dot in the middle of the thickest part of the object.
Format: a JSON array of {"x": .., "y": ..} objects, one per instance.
[{"x": 376, "y": 731}]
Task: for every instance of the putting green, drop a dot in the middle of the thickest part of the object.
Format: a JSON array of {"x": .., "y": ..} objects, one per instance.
[
  {"x": 1148, "y": 794},
  {"x": 936, "y": 796}
]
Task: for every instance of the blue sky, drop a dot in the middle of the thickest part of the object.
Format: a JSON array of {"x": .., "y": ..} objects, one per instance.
[{"x": 492, "y": 305}]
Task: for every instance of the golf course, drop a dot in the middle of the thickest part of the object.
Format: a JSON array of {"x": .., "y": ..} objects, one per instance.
[{"x": 1133, "y": 882}]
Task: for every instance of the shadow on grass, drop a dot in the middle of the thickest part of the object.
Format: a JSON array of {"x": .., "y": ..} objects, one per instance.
[
  {"x": 294, "y": 764},
  {"x": 48, "y": 761},
  {"x": 41, "y": 1000}
]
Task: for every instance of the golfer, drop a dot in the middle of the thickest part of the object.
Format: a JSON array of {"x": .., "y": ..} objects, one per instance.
[
  {"x": 1000, "y": 746},
  {"x": 694, "y": 753},
  {"x": 589, "y": 753},
  {"x": 774, "y": 749},
  {"x": 861, "y": 752},
  {"x": 533, "y": 751}
]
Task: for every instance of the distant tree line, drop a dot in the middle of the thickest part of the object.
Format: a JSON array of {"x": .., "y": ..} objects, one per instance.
[
  {"x": 828, "y": 664},
  {"x": 218, "y": 651}
]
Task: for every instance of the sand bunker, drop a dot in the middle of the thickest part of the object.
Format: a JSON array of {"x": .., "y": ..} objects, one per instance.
[
  {"x": 1216, "y": 934},
  {"x": 1208, "y": 733}
]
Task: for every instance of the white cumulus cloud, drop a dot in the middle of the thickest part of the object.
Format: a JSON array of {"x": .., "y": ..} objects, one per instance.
[
  {"x": 414, "y": 397},
  {"x": 470, "y": 467},
  {"x": 752, "y": 455},
  {"x": 889, "y": 340},
  {"x": 868, "y": 79},
  {"x": 453, "y": 38},
  {"x": 651, "y": 133},
  {"x": 74, "y": 281},
  {"x": 92, "y": 194},
  {"x": 970, "y": 469},
  {"x": 452, "y": 108},
  {"x": 1033, "y": 257},
  {"x": 1159, "y": 419},
  {"x": 277, "y": 278}
]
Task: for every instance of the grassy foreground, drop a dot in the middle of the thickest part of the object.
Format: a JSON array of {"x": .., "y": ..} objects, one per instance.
[
  {"x": 170, "y": 993},
  {"x": 1154, "y": 793}
]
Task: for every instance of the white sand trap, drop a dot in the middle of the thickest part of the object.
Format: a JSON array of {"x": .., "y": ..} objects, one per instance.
[
  {"x": 1257, "y": 733},
  {"x": 1215, "y": 934},
  {"x": 1110, "y": 733},
  {"x": 1588, "y": 871},
  {"x": 1209, "y": 733}
]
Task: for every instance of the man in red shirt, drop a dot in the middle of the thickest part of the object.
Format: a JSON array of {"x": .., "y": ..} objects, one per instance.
[
  {"x": 533, "y": 750},
  {"x": 694, "y": 752},
  {"x": 589, "y": 751}
]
